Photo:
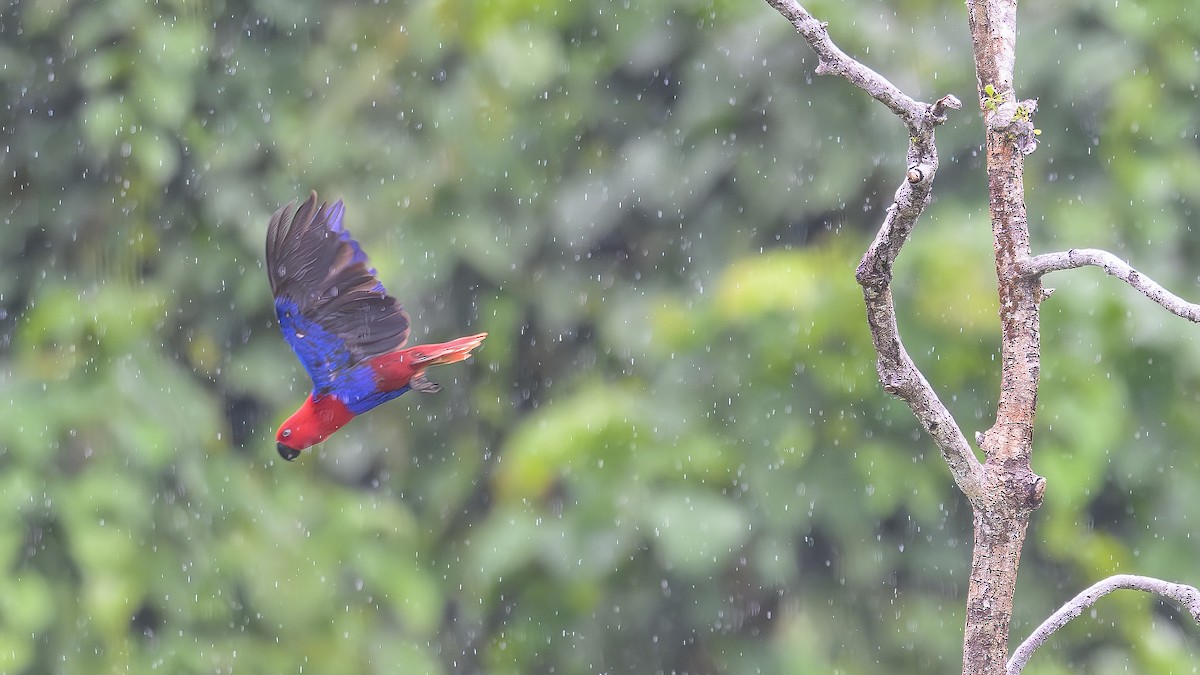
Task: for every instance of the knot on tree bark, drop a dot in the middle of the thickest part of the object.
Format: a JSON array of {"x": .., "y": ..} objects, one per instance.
[
  {"x": 919, "y": 172},
  {"x": 894, "y": 382},
  {"x": 1013, "y": 119},
  {"x": 873, "y": 275},
  {"x": 1016, "y": 485}
]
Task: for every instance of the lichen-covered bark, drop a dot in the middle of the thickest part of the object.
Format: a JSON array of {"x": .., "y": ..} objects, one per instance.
[{"x": 1010, "y": 489}]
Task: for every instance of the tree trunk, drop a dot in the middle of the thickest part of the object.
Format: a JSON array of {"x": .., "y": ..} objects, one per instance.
[{"x": 1011, "y": 490}]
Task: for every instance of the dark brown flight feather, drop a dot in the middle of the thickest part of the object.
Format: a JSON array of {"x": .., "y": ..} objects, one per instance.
[{"x": 319, "y": 271}]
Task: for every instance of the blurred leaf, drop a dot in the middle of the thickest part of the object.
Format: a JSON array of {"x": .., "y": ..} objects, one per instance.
[{"x": 695, "y": 531}]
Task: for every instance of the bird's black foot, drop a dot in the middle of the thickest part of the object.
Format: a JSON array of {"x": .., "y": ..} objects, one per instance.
[{"x": 423, "y": 385}]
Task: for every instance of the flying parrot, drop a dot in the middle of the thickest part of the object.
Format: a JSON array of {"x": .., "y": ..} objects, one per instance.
[{"x": 346, "y": 329}]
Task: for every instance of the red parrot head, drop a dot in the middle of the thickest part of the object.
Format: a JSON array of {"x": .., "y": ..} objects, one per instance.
[
  {"x": 293, "y": 437},
  {"x": 312, "y": 423},
  {"x": 296, "y": 434}
]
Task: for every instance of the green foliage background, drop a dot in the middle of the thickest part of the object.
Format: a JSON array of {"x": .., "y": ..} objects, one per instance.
[{"x": 672, "y": 454}]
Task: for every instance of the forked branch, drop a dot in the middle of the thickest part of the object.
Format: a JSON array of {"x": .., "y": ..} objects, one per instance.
[
  {"x": 897, "y": 371},
  {"x": 1187, "y": 596},
  {"x": 1113, "y": 266}
]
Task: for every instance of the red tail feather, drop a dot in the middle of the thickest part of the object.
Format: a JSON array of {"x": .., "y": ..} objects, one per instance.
[
  {"x": 403, "y": 367},
  {"x": 446, "y": 352}
]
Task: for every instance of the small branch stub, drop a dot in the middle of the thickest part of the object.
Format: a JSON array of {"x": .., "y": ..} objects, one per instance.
[
  {"x": 940, "y": 106},
  {"x": 1037, "y": 493},
  {"x": 1024, "y": 133}
]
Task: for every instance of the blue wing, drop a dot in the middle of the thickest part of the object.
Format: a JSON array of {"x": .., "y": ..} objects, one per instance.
[{"x": 332, "y": 309}]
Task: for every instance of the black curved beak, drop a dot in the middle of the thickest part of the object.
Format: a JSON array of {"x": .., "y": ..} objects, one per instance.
[{"x": 287, "y": 453}]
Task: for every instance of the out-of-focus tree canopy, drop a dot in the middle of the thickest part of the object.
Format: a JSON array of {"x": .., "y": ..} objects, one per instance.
[{"x": 672, "y": 453}]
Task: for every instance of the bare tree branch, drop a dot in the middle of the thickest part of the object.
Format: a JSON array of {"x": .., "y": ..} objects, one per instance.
[
  {"x": 899, "y": 375},
  {"x": 833, "y": 61},
  {"x": 897, "y": 372},
  {"x": 1187, "y": 596},
  {"x": 1113, "y": 266}
]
